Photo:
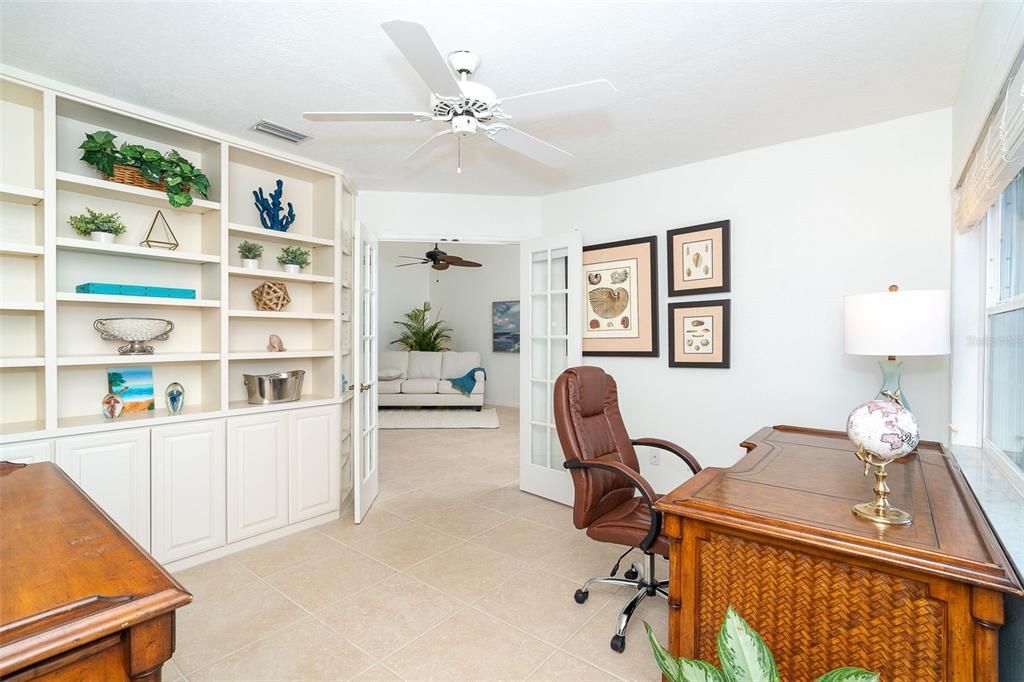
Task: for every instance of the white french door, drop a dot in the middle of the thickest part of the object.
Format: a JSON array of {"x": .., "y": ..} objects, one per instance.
[
  {"x": 365, "y": 468},
  {"x": 551, "y": 333}
]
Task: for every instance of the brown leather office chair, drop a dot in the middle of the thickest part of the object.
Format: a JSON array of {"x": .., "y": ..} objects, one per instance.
[{"x": 606, "y": 476}]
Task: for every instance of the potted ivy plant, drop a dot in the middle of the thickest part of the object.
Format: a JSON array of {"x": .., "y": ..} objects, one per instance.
[
  {"x": 294, "y": 258},
  {"x": 250, "y": 253},
  {"x": 100, "y": 227},
  {"x": 744, "y": 657},
  {"x": 138, "y": 165}
]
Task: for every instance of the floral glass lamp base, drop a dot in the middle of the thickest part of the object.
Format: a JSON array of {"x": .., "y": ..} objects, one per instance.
[{"x": 892, "y": 370}]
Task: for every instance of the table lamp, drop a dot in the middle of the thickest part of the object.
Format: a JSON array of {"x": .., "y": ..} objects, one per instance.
[{"x": 896, "y": 323}]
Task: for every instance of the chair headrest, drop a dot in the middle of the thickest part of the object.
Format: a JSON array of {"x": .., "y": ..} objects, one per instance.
[{"x": 592, "y": 386}]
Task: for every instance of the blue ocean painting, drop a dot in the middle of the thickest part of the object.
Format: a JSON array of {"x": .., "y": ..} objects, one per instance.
[
  {"x": 505, "y": 326},
  {"x": 135, "y": 386}
]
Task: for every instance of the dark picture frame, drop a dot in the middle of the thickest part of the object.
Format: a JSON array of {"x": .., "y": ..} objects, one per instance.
[
  {"x": 716, "y": 238},
  {"x": 638, "y": 258},
  {"x": 714, "y": 318}
]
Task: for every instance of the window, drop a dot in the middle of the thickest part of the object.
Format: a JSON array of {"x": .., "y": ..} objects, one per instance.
[{"x": 1004, "y": 321}]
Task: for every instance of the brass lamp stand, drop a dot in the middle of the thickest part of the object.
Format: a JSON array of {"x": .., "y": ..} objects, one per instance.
[{"x": 879, "y": 510}]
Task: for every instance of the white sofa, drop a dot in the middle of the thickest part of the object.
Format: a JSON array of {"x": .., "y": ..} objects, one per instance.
[{"x": 419, "y": 379}]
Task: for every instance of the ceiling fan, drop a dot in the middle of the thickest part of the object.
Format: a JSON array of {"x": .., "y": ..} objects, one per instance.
[
  {"x": 467, "y": 107},
  {"x": 439, "y": 260}
]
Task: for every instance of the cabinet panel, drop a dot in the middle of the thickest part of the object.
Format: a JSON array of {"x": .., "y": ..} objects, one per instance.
[
  {"x": 27, "y": 453},
  {"x": 188, "y": 489},
  {"x": 314, "y": 462},
  {"x": 257, "y": 474},
  {"x": 113, "y": 469}
]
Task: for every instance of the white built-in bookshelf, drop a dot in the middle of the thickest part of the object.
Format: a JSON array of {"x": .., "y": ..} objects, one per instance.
[{"x": 53, "y": 363}]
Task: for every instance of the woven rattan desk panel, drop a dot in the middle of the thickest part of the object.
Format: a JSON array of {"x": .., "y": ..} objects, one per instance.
[{"x": 774, "y": 536}]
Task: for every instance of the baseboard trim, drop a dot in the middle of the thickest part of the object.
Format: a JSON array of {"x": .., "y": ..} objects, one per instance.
[{"x": 495, "y": 403}]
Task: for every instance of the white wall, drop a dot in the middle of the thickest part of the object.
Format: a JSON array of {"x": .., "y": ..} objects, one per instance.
[
  {"x": 997, "y": 40},
  {"x": 464, "y": 297},
  {"x": 413, "y": 215},
  {"x": 812, "y": 220}
]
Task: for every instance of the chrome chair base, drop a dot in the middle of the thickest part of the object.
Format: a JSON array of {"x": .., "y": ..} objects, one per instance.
[{"x": 641, "y": 578}]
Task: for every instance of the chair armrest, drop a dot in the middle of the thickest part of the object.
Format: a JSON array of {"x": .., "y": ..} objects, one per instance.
[
  {"x": 646, "y": 491},
  {"x": 669, "y": 446}
]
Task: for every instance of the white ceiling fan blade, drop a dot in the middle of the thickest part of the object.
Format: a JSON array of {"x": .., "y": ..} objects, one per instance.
[
  {"x": 429, "y": 143},
  {"x": 366, "y": 116},
  {"x": 419, "y": 49},
  {"x": 589, "y": 95},
  {"x": 528, "y": 145}
]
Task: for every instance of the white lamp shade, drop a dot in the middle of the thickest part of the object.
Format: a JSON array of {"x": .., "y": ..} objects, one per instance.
[{"x": 897, "y": 323}]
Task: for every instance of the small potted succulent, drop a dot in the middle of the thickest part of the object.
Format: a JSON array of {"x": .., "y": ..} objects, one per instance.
[
  {"x": 294, "y": 258},
  {"x": 101, "y": 227},
  {"x": 250, "y": 253}
]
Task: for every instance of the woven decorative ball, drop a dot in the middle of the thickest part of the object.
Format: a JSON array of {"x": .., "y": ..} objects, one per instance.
[{"x": 271, "y": 296}]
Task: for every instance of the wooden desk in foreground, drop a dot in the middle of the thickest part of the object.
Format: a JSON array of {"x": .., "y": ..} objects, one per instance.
[
  {"x": 774, "y": 536},
  {"x": 79, "y": 600}
]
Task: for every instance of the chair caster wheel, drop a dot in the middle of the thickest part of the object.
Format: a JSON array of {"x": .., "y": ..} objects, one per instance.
[
  {"x": 618, "y": 643},
  {"x": 581, "y": 596},
  {"x": 631, "y": 574}
]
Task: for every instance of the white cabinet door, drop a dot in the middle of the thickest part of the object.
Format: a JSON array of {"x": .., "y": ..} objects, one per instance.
[
  {"x": 314, "y": 462},
  {"x": 257, "y": 474},
  {"x": 188, "y": 489},
  {"x": 113, "y": 469},
  {"x": 27, "y": 453}
]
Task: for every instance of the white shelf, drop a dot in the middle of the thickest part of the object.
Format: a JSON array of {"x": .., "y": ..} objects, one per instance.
[
  {"x": 277, "y": 236},
  {"x": 20, "y": 195},
  {"x": 27, "y": 361},
  {"x": 23, "y": 429},
  {"x": 279, "y": 274},
  {"x": 283, "y": 315},
  {"x": 120, "y": 192},
  {"x": 148, "y": 359},
  {"x": 72, "y": 244},
  {"x": 274, "y": 355},
  {"x": 90, "y": 423},
  {"x": 20, "y": 305},
  {"x": 28, "y": 250},
  {"x": 305, "y": 401},
  {"x": 74, "y": 297}
]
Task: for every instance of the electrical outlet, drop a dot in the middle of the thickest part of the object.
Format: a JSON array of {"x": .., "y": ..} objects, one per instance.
[{"x": 656, "y": 458}]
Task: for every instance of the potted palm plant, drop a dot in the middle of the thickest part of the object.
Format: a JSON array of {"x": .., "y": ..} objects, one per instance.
[
  {"x": 422, "y": 334},
  {"x": 100, "y": 227},
  {"x": 294, "y": 258},
  {"x": 250, "y": 253}
]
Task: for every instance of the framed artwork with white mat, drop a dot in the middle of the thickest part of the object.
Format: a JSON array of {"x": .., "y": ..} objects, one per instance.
[
  {"x": 698, "y": 259},
  {"x": 620, "y": 300}
]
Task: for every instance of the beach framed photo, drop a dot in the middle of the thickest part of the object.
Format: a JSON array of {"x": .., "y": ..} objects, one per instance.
[
  {"x": 698, "y": 259},
  {"x": 698, "y": 334},
  {"x": 620, "y": 298},
  {"x": 134, "y": 384},
  {"x": 505, "y": 326}
]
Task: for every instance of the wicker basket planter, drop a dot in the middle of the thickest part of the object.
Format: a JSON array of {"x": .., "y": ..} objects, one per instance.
[{"x": 130, "y": 175}]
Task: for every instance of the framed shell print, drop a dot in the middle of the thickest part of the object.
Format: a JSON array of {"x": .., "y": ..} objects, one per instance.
[
  {"x": 698, "y": 259},
  {"x": 698, "y": 334},
  {"x": 620, "y": 298}
]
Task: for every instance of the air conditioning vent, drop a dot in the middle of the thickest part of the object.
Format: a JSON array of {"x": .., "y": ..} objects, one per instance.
[{"x": 293, "y": 136}]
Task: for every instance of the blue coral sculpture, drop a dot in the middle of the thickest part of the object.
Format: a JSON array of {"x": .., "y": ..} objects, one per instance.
[{"x": 270, "y": 209}]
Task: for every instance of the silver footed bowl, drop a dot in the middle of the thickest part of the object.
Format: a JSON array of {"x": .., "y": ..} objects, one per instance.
[{"x": 135, "y": 330}]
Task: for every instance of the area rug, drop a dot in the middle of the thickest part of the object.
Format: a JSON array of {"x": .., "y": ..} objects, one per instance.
[{"x": 437, "y": 418}]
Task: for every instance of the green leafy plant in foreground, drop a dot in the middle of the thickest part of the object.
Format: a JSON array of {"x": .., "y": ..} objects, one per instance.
[
  {"x": 295, "y": 255},
  {"x": 250, "y": 250},
  {"x": 744, "y": 657},
  {"x": 172, "y": 169},
  {"x": 422, "y": 334},
  {"x": 91, "y": 221}
]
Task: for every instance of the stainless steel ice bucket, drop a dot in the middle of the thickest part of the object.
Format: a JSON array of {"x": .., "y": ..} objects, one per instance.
[{"x": 281, "y": 387}]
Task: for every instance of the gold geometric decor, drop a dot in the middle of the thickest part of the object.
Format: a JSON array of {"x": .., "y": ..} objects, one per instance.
[
  {"x": 169, "y": 241},
  {"x": 271, "y": 296}
]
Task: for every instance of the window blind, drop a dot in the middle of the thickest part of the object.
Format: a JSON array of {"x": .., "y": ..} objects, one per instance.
[{"x": 998, "y": 155}]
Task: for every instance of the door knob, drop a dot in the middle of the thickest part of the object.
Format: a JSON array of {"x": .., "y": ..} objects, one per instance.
[{"x": 364, "y": 387}]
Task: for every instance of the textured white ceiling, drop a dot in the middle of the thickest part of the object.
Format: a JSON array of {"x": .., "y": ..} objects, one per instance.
[{"x": 696, "y": 80}]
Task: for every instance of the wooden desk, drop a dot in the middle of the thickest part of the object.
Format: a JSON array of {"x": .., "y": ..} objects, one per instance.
[
  {"x": 79, "y": 600},
  {"x": 774, "y": 536}
]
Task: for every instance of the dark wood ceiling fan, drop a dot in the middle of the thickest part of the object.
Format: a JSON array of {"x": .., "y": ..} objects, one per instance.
[{"x": 439, "y": 260}]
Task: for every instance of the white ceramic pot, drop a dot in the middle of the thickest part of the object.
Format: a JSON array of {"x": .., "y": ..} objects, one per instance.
[
  {"x": 292, "y": 269},
  {"x": 103, "y": 237},
  {"x": 251, "y": 263}
]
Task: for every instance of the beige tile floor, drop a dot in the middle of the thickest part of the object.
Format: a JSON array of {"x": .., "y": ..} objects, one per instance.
[{"x": 454, "y": 575}]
